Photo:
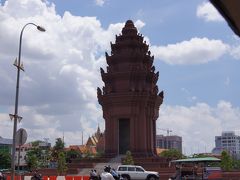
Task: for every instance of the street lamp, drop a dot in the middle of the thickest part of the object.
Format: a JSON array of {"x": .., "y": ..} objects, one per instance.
[{"x": 15, "y": 116}]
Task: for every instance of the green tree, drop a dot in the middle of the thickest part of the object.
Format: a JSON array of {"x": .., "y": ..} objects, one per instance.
[
  {"x": 32, "y": 160},
  {"x": 128, "y": 160},
  {"x": 199, "y": 156},
  {"x": 61, "y": 163},
  {"x": 226, "y": 161},
  {"x": 100, "y": 154},
  {"x": 33, "y": 156},
  {"x": 37, "y": 157},
  {"x": 236, "y": 164},
  {"x": 57, "y": 148},
  {"x": 5, "y": 160},
  {"x": 45, "y": 158},
  {"x": 72, "y": 154},
  {"x": 171, "y": 154}
]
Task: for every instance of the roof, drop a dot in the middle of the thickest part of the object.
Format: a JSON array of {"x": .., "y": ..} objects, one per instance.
[
  {"x": 191, "y": 160},
  {"x": 5, "y": 141},
  {"x": 80, "y": 148},
  {"x": 126, "y": 165},
  {"x": 230, "y": 10},
  {"x": 27, "y": 145}
]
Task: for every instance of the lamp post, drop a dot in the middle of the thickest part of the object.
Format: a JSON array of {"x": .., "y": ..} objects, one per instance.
[{"x": 15, "y": 116}]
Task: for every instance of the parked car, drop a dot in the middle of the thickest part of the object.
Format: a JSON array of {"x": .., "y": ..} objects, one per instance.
[{"x": 130, "y": 172}]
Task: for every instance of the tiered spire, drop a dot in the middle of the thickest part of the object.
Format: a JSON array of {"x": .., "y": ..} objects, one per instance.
[{"x": 129, "y": 65}]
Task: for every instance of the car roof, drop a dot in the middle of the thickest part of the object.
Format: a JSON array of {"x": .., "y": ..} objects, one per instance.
[{"x": 129, "y": 166}]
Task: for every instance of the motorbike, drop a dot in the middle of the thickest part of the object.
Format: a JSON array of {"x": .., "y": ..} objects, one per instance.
[
  {"x": 115, "y": 175},
  {"x": 94, "y": 175},
  {"x": 36, "y": 176}
]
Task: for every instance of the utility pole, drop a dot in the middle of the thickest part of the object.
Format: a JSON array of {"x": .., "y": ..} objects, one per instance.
[{"x": 15, "y": 117}]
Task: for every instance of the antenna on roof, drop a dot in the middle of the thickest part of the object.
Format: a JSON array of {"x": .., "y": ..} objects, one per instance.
[{"x": 82, "y": 137}]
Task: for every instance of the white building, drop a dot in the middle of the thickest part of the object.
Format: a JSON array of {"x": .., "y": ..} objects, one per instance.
[
  {"x": 20, "y": 155},
  {"x": 229, "y": 142},
  {"x": 21, "y": 152}
]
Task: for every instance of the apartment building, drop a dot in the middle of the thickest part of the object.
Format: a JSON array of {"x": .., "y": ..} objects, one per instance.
[
  {"x": 169, "y": 142},
  {"x": 229, "y": 142}
]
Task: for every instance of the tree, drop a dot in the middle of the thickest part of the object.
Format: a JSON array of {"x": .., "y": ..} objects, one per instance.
[
  {"x": 171, "y": 154},
  {"x": 33, "y": 156},
  {"x": 5, "y": 160},
  {"x": 37, "y": 157},
  {"x": 57, "y": 148},
  {"x": 72, "y": 154},
  {"x": 226, "y": 162},
  {"x": 32, "y": 160},
  {"x": 236, "y": 164},
  {"x": 61, "y": 163},
  {"x": 128, "y": 160},
  {"x": 45, "y": 158},
  {"x": 199, "y": 155}
]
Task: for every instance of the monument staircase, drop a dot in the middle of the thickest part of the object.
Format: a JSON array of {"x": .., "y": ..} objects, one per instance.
[{"x": 84, "y": 166}]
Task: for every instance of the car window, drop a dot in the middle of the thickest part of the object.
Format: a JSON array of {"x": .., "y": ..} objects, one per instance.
[
  {"x": 122, "y": 169},
  {"x": 139, "y": 169},
  {"x": 131, "y": 168}
]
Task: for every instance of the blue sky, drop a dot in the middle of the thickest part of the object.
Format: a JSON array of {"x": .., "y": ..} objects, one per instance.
[
  {"x": 195, "y": 52},
  {"x": 169, "y": 22}
]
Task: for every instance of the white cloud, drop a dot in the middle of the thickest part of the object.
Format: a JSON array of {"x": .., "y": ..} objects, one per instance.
[
  {"x": 58, "y": 87},
  {"x": 194, "y": 51},
  {"x": 208, "y": 12},
  {"x": 100, "y": 2},
  {"x": 189, "y": 97},
  {"x": 199, "y": 124},
  {"x": 139, "y": 24},
  {"x": 61, "y": 67},
  {"x": 235, "y": 52}
]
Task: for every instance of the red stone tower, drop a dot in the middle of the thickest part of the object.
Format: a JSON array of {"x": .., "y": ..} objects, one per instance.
[{"x": 130, "y": 98}]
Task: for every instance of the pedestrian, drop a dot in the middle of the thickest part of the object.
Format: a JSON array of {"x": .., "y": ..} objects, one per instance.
[
  {"x": 2, "y": 176},
  {"x": 106, "y": 175},
  {"x": 177, "y": 175},
  {"x": 93, "y": 175}
]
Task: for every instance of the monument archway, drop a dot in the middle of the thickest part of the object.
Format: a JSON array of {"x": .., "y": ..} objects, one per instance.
[{"x": 124, "y": 135}]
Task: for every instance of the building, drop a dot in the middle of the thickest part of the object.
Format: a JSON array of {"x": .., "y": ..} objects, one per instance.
[
  {"x": 20, "y": 155},
  {"x": 169, "y": 142},
  {"x": 97, "y": 141},
  {"x": 21, "y": 152},
  {"x": 229, "y": 142},
  {"x": 230, "y": 10},
  {"x": 130, "y": 98},
  {"x": 83, "y": 150},
  {"x": 5, "y": 145}
]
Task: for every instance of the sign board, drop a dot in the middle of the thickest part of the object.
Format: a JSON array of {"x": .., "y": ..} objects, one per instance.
[{"x": 21, "y": 137}]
